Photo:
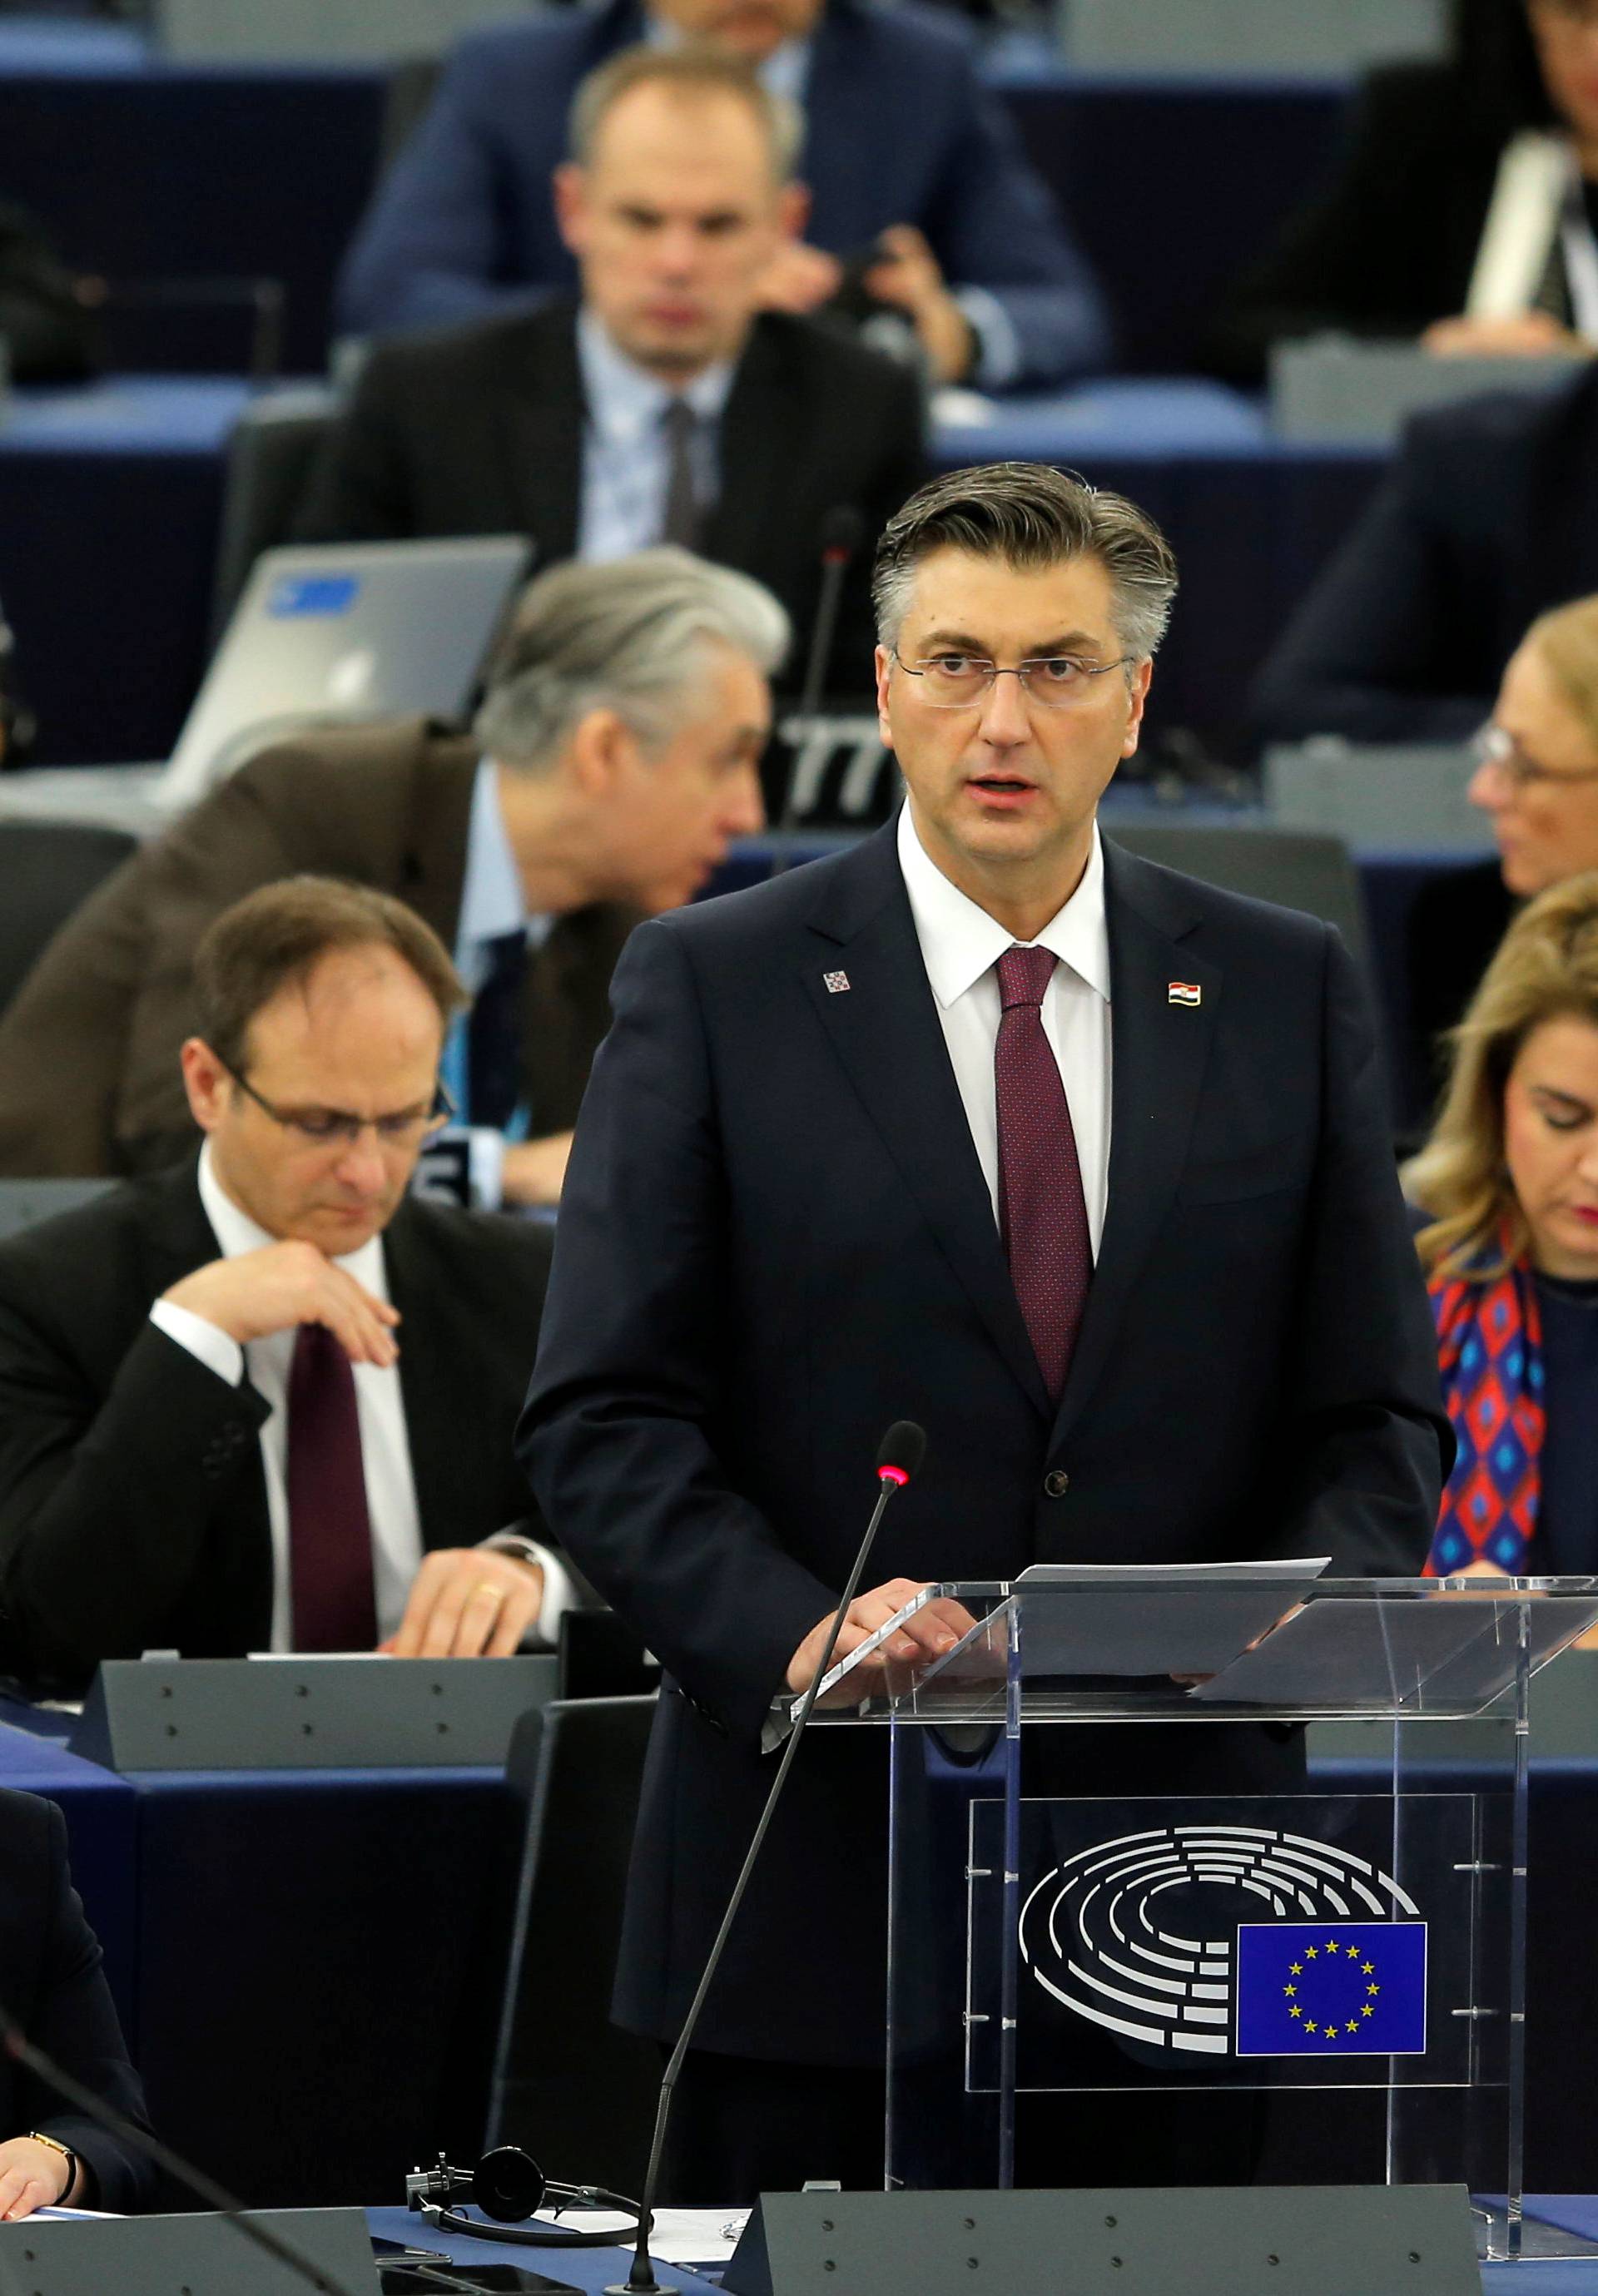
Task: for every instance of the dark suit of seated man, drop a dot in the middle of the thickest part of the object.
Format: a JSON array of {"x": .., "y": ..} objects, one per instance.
[
  {"x": 901, "y": 140},
  {"x": 265, "y": 1401},
  {"x": 51, "y": 2155},
  {"x": 1489, "y": 517},
  {"x": 615, "y": 757},
  {"x": 665, "y": 408}
]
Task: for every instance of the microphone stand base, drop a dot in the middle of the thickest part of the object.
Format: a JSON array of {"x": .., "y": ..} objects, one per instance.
[{"x": 652, "y": 2287}]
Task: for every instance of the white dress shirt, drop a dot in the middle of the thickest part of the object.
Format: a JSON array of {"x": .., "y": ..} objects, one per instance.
[
  {"x": 391, "y": 1507},
  {"x": 961, "y": 946}
]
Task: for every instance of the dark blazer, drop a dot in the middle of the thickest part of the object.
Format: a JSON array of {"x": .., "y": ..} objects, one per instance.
[
  {"x": 55, "y": 1987},
  {"x": 1488, "y": 516},
  {"x": 133, "y": 1504},
  {"x": 898, "y": 129},
  {"x": 385, "y": 805},
  {"x": 789, "y": 1253},
  {"x": 1391, "y": 244},
  {"x": 479, "y": 430}
]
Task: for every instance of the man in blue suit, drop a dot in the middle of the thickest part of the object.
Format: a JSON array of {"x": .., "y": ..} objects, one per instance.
[
  {"x": 1081, "y": 1164},
  {"x": 906, "y": 155}
]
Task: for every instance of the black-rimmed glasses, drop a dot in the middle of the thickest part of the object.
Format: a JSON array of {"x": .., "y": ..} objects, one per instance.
[{"x": 325, "y": 1127}]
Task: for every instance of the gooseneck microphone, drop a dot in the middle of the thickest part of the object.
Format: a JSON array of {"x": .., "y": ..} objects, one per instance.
[
  {"x": 900, "y": 1455},
  {"x": 843, "y": 531}
]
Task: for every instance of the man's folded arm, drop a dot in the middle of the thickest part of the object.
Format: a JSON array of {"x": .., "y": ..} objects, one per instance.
[
  {"x": 1369, "y": 1442},
  {"x": 104, "y": 1513},
  {"x": 627, "y": 1411}
]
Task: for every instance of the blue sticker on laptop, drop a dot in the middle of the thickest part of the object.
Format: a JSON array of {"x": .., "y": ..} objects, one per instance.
[{"x": 294, "y": 595}]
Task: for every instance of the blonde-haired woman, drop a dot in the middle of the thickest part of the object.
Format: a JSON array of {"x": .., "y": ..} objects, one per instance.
[{"x": 1508, "y": 1182}]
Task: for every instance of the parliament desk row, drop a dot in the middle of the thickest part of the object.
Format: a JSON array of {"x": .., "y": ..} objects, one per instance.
[
  {"x": 110, "y": 497},
  {"x": 307, "y": 1963},
  {"x": 216, "y": 171}
]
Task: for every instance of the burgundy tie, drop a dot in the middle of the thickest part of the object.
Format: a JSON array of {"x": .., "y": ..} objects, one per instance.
[
  {"x": 329, "y": 1533},
  {"x": 1043, "y": 1213}
]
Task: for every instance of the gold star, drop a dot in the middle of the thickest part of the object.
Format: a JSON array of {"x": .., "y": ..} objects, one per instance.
[
  {"x": 1310, "y": 2026},
  {"x": 1369, "y": 1968},
  {"x": 1332, "y": 1944},
  {"x": 1296, "y": 1969},
  {"x": 1290, "y": 1991},
  {"x": 1310, "y": 1952},
  {"x": 1296, "y": 2011},
  {"x": 1352, "y": 2026},
  {"x": 1368, "y": 2011},
  {"x": 1372, "y": 1988},
  {"x": 1331, "y": 2032},
  {"x": 1354, "y": 1953}
]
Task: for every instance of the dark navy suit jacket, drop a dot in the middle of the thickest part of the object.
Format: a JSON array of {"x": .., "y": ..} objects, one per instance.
[
  {"x": 899, "y": 129},
  {"x": 776, "y": 1238},
  {"x": 1489, "y": 517}
]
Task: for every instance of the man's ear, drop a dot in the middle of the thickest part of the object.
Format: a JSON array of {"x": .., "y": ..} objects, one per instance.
[
  {"x": 793, "y": 209},
  {"x": 205, "y": 1082},
  {"x": 601, "y": 746},
  {"x": 884, "y": 661},
  {"x": 569, "y": 186},
  {"x": 1141, "y": 677}
]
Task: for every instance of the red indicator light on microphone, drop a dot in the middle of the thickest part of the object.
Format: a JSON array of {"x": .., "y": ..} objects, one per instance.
[{"x": 894, "y": 1475}]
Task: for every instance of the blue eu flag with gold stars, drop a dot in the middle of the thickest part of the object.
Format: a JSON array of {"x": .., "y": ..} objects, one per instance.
[{"x": 1331, "y": 1989}]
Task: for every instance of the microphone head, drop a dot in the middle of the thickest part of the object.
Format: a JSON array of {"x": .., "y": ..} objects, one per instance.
[
  {"x": 842, "y": 531},
  {"x": 900, "y": 1452},
  {"x": 508, "y": 2184}
]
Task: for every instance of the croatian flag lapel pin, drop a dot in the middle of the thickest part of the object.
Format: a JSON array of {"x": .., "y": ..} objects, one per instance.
[
  {"x": 1184, "y": 992},
  {"x": 835, "y": 983}
]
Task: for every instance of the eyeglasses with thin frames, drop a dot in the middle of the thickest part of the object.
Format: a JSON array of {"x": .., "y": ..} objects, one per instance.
[
  {"x": 1492, "y": 746},
  {"x": 958, "y": 681},
  {"x": 324, "y": 1127}
]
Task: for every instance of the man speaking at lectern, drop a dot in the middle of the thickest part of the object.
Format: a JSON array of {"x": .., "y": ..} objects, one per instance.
[{"x": 1080, "y": 1163}]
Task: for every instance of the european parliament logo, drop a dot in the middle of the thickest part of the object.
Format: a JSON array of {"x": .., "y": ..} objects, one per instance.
[{"x": 1343, "y": 1989}]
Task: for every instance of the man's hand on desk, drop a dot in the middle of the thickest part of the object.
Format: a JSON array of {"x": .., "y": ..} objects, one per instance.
[
  {"x": 534, "y": 1171},
  {"x": 284, "y": 1284},
  {"x": 32, "y": 2176},
  {"x": 930, "y": 1633},
  {"x": 468, "y": 1602}
]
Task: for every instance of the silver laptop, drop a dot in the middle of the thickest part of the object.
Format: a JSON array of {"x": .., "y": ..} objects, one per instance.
[{"x": 329, "y": 634}]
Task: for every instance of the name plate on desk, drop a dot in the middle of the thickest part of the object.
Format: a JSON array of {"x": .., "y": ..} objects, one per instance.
[
  {"x": 307, "y": 1713},
  {"x": 184, "y": 2255}
]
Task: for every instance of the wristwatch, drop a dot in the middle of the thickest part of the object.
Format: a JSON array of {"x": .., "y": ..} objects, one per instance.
[{"x": 37, "y": 2137}]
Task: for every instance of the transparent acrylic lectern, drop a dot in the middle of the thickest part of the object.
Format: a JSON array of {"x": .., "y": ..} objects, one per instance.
[{"x": 1111, "y": 1868}]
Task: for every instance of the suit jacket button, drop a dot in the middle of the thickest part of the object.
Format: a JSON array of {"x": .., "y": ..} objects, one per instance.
[{"x": 1056, "y": 1483}]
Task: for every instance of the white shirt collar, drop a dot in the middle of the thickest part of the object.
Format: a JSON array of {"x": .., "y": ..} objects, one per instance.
[
  {"x": 236, "y": 1232},
  {"x": 491, "y": 898},
  {"x": 623, "y": 402},
  {"x": 960, "y": 941}
]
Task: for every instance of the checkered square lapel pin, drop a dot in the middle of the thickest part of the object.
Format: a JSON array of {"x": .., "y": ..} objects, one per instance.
[{"x": 835, "y": 983}]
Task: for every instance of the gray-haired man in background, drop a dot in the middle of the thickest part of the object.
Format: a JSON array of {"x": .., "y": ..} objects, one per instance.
[{"x": 614, "y": 758}]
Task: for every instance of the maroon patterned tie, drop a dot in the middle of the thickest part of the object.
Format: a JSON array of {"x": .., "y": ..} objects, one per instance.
[
  {"x": 1043, "y": 1213},
  {"x": 329, "y": 1533}
]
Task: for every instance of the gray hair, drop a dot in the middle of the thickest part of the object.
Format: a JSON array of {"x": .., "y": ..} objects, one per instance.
[
  {"x": 1031, "y": 516},
  {"x": 692, "y": 69},
  {"x": 637, "y": 636}
]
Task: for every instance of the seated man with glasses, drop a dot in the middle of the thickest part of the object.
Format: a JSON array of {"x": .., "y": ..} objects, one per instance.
[
  {"x": 263, "y": 1401},
  {"x": 1537, "y": 779}
]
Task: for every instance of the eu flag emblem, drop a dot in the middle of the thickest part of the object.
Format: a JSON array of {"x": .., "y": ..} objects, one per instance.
[{"x": 1332, "y": 1989}]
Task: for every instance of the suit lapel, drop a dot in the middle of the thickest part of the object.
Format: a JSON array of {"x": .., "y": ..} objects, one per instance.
[
  {"x": 762, "y": 437},
  {"x": 1158, "y": 1059},
  {"x": 886, "y": 1033},
  {"x": 440, "y": 1471},
  {"x": 842, "y": 147},
  {"x": 542, "y": 418}
]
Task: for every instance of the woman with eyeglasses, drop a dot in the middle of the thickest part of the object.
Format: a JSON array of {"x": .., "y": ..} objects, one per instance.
[
  {"x": 1536, "y": 780},
  {"x": 1507, "y": 1187},
  {"x": 1465, "y": 210}
]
